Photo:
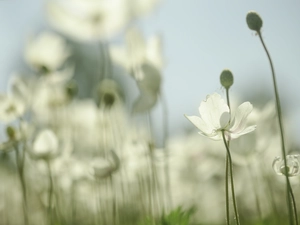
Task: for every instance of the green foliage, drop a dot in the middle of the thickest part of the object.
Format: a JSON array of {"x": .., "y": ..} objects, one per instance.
[{"x": 177, "y": 216}]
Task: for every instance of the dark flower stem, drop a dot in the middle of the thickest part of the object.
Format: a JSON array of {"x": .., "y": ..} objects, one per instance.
[
  {"x": 50, "y": 193},
  {"x": 20, "y": 159},
  {"x": 227, "y": 171},
  {"x": 290, "y": 196},
  {"x": 231, "y": 179}
]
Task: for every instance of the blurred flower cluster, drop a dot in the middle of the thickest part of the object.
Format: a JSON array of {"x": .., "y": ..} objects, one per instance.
[{"x": 79, "y": 149}]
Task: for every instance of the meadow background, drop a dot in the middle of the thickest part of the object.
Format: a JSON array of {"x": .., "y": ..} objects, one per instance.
[{"x": 199, "y": 40}]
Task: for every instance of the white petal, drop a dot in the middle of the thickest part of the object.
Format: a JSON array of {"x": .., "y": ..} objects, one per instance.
[
  {"x": 224, "y": 120},
  {"x": 240, "y": 118},
  {"x": 244, "y": 131},
  {"x": 205, "y": 129},
  {"x": 46, "y": 143},
  {"x": 212, "y": 109}
]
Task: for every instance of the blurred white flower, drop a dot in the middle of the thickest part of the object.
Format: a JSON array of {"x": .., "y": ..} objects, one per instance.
[
  {"x": 46, "y": 52},
  {"x": 293, "y": 165},
  {"x": 216, "y": 117},
  {"x": 108, "y": 94},
  {"x": 88, "y": 20},
  {"x": 102, "y": 168},
  {"x": 45, "y": 145},
  {"x": 145, "y": 62},
  {"x": 11, "y": 108},
  {"x": 137, "y": 52},
  {"x": 141, "y": 7}
]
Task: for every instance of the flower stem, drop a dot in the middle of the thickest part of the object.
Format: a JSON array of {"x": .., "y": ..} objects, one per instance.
[
  {"x": 166, "y": 150},
  {"x": 50, "y": 192},
  {"x": 278, "y": 108},
  {"x": 20, "y": 165},
  {"x": 227, "y": 190},
  {"x": 227, "y": 170},
  {"x": 231, "y": 179}
]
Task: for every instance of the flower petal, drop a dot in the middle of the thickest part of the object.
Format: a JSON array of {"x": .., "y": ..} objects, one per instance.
[
  {"x": 212, "y": 109},
  {"x": 240, "y": 118},
  {"x": 244, "y": 131},
  {"x": 205, "y": 128}
]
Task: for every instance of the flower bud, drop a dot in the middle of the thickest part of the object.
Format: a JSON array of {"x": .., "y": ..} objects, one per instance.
[
  {"x": 71, "y": 89},
  {"x": 226, "y": 78},
  {"x": 254, "y": 21},
  {"x": 10, "y": 132}
]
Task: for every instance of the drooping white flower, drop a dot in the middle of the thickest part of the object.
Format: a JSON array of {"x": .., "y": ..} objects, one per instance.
[
  {"x": 216, "y": 117},
  {"x": 45, "y": 145},
  {"x": 46, "y": 52}
]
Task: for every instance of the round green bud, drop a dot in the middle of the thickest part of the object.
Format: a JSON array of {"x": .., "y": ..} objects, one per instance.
[
  {"x": 71, "y": 89},
  {"x": 10, "y": 132},
  {"x": 254, "y": 21},
  {"x": 226, "y": 79}
]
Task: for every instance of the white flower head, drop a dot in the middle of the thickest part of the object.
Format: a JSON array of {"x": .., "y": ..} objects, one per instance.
[
  {"x": 45, "y": 145},
  {"x": 11, "y": 108},
  {"x": 293, "y": 165},
  {"x": 47, "y": 52},
  {"x": 137, "y": 52},
  {"x": 216, "y": 117},
  {"x": 88, "y": 20}
]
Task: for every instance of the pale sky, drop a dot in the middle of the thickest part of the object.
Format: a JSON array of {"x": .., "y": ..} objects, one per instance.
[{"x": 201, "y": 38}]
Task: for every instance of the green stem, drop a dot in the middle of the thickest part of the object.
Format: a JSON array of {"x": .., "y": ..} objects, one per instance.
[
  {"x": 50, "y": 192},
  {"x": 227, "y": 191},
  {"x": 20, "y": 159},
  {"x": 293, "y": 203},
  {"x": 166, "y": 150},
  {"x": 227, "y": 170},
  {"x": 278, "y": 108},
  {"x": 254, "y": 186},
  {"x": 231, "y": 179}
]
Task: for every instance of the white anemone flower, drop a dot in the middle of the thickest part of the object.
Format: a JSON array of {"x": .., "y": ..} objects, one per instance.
[
  {"x": 46, "y": 52},
  {"x": 216, "y": 117},
  {"x": 45, "y": 145}
]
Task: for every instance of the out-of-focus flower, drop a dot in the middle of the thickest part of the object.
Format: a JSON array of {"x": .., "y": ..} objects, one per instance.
[
  {"x": 145, "y": 62},
  {"x": 216, "y": 117},
  {"x": 293, "y": 165},
  {"x": 141, "y": 7},
  {"x": 102, "y": 168},
  {"x": 47, "y": 52},
  {"x": 88, "y": 20},
  {"x": 45, "y": 145},
  {"x": 149, "y": 88},
  {"x": 11, "y": 108},
  {"x": 137, "y": 52},
  {"x": 108, "y": 94}
]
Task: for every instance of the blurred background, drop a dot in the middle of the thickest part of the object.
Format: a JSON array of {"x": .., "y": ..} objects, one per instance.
[{"x": 200, "y": 39}]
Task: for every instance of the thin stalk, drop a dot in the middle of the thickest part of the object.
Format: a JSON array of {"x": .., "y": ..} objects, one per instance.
[
  {"x": 227, "y": 191},
  {"x": 255, "y": 193},
  {"x": 166, "y": 150},
  {"x": 293, "y": 203},
  {"x": 20, "y": 159},
  {"x": 278, "y": 108},
  {"x": 227, "y": 171},
  {"x": 231, "y": 179},
  {"x": 50, "y": 193}
]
